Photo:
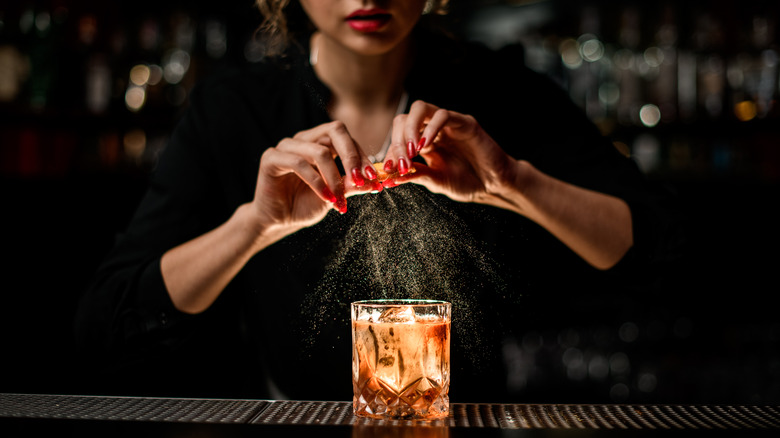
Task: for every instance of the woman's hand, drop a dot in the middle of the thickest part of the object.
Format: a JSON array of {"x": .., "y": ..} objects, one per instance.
[
  {"x": 299, "y": 181},
  {"x": 465, "y": 164},
  {"x": 462, "y": 161}
]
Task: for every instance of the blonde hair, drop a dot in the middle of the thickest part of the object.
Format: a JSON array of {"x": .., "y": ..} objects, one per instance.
[{"x": 284, "y": 21}]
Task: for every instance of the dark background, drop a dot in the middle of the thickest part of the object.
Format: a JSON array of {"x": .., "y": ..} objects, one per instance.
[{"x": 75, "y": 162}]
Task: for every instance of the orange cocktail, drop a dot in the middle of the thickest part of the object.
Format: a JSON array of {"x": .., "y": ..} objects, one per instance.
[{"x": 401, "y": 358}]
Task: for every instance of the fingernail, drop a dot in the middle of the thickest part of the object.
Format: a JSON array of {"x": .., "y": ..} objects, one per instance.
[
  {"x": 370, "y": 172},
  {"x": 403, "y": 166},
  {"x": 341, "y": 204},
  {"x": 411, "y": 150},
  {"x": 377, "y": 186},
  {"x": 327, "y": 194},
  {"x": 389, "y": 166},
  {"x": 357, "y": 177},
  {"x": 389, "y": 183},
  {"x": 420, "y": 144}
]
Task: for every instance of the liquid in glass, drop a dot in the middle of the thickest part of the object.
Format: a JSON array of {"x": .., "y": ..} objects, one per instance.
[{"x": 401, "y": 359}]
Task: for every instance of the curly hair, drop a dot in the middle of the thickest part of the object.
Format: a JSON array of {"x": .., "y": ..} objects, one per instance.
[{"x": 285, "y": 21}]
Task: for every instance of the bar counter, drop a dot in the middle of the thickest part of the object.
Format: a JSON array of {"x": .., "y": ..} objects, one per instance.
[{"x": 27, "y": 415}]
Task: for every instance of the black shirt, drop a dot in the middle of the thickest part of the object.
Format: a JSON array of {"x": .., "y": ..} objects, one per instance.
[{"x": 285, "y": 317}]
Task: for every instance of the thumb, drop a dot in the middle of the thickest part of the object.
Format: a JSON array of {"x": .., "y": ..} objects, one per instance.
[{"x": 422, "y": 174}]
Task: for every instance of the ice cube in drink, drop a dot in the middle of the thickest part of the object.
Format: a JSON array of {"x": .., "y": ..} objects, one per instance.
[{"x": 400, "y": 365}]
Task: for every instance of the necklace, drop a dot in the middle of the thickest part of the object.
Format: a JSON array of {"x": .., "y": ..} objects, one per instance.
[
  {"x": 314, "y": 53},
  {"x": 380, "y": 155}
]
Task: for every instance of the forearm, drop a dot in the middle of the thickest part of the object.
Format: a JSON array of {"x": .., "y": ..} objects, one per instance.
[
  {"x": 594, "y": 225},
  {"x": 197, "y": 271}
]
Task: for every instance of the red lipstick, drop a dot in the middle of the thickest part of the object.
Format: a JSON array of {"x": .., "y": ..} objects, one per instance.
[{"x": 368, "y": 20}]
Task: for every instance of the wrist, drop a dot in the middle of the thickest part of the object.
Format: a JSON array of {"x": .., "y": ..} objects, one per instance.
[
  {"x": 257, "y": 227},
  {"x": 509, "y": 188},
  {"x": 526, "y": 176}
]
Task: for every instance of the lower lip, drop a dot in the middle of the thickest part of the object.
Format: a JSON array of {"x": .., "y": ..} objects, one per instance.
[{"x": 368, "y": 26}]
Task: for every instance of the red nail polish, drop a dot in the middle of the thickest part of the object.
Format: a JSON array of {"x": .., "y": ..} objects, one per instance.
[
  {"x": 370, "y": 172},
  {"x": 327, "y": 194},
  {"x": 389, "y": 183},
  {"x": 403, "y": 166},
  {"x": 357, "y": 177},
  {"x": 411, "y": 150},
  {"x": 378, "y": 187},
  {"x": 420, "y": 144},
  {"x": 389, "y": 166},
  {"x": 341, "y": 204}
]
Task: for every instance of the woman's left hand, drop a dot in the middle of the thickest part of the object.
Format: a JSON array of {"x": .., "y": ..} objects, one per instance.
[{"x": 462, "y": 161}]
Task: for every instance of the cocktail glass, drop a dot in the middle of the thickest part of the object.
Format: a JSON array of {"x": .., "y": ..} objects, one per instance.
[{"x": 401, "y": 359}]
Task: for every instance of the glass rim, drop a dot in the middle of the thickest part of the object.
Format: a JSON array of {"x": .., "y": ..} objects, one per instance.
[{"x": 400, "y": 302}]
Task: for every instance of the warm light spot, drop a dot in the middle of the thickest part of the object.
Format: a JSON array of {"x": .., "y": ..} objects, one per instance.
[
  {"x": 87, "y": 29},
  {"x": 650, "y": 115},
  {"x": 570, "y": 53},
  {"x": 135, "y": 143},
  {"x": 745, "y": 110},
  {"x": 139, "y": 75},
  {"x": 135, "y": 97},
  {"x": 14, "y": 68},
  {"x": 622, "y": 148}
]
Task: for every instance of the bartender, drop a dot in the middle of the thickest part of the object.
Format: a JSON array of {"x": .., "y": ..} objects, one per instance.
[{"x": 271, "y": 209}]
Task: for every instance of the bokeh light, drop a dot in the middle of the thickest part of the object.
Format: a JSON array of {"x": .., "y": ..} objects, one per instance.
[
  {"x": 175, "y": 66},
  {"x": 140, "y": 74},
  {"x": 654, "y": 56},
  {"x": 135, "y": 98},
  {"x": 569, "y": 50},
  {"x": 609, "y": 93},
  {"x": 591, "y": 49},
  {"x": 650, "y": 115},
  {"x": 134, "y": 142},
  {"x": 745, "y": 110}
]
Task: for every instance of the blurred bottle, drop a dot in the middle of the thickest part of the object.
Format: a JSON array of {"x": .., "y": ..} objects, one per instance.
[
  {"x": 14, "y": 66},
  {"x": 708, "y": 43},
  {"x": 766, "y": 60},
  {"x": 628, "y": 64},
  {"x": 584, "y": 58},
  {"x": 663, "y": 57}
]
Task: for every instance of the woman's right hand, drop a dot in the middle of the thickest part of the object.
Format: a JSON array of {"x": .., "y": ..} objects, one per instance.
[{"x": 299, "y": 181}]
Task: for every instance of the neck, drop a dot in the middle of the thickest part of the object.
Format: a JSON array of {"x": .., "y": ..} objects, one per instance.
[{"x": 360, "y": 80}]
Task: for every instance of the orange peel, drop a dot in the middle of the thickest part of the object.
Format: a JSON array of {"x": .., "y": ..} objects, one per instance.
[{"x": 383, "y": 176}]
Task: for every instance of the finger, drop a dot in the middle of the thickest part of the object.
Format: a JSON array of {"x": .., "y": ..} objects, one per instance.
[
  {"x": 397, "y": 152},
  {"x": 356, "y": 164},
  {"x": 317, "y": 155},
  {"x": 370, "y": 187},
  {"x": 438, "y": 120},
  {"x": 420, "y": 114},
  {"x": 421, "y": 174},
  {"x": 405, "y": 145},
  {"x": 277, "y": 163},
  {"x": 406, "y": 141},
  {"x": 312, "y": 162}
]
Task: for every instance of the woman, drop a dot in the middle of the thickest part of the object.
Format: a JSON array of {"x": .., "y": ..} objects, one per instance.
[{"x": 220, "y": 258}]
